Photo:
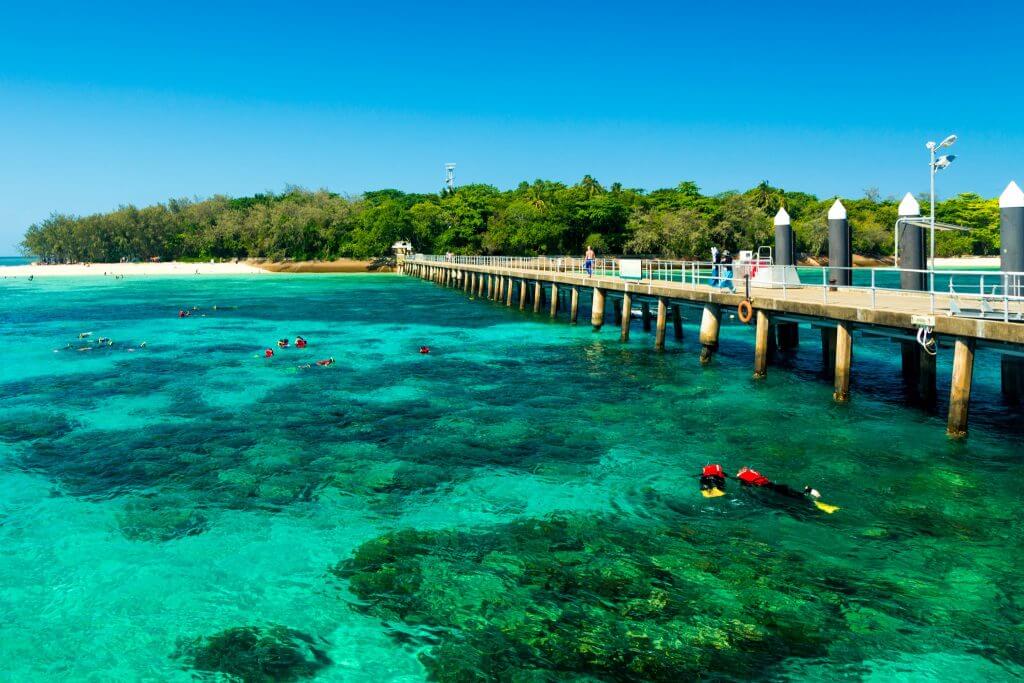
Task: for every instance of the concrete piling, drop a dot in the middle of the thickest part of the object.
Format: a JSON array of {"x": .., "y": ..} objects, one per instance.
[
  {"x": 840, "y": 247},
  {"x": 508, "y": 291},
  {"x": 710, "y": 322},
  {"x": 843, "y": 361},
  {"x": 645, "y": 309},
  {"x": 554, "y": 300},
  {"x": 761, "y": 345},
  {"x": 538, "y": 295},
  {"x": 597, "y": 309},
  {"x": 522, "y": 295},
  {"x": 625, "y": 316},
  {"x": 677, "y": 322},
  {"x": 574, "y": 307},
  {"x": 960, "y": 387},
  {"x": 659, "y": 328}
]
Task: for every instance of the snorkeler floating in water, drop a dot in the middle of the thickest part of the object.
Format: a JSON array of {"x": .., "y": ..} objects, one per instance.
[
  {"x": 424, "y": 349},
  {"x": 712, "y": 485},
  {"x": 300, "y": 343},
  {"x": 269, "y": 353},
  {"x": 282, "y": 343},
  {"x": 325, "y": 363}
]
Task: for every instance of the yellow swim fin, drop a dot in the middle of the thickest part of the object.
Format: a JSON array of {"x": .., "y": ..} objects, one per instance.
[
  {"x": 824, "y": 507},
  {"x": 712, "y": 493}
]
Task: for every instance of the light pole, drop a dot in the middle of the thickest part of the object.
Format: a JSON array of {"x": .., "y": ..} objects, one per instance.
[{"x": 935, "y": 166}]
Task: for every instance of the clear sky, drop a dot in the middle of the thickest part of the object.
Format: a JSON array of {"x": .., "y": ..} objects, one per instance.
[{"x": 105, "y": 103}]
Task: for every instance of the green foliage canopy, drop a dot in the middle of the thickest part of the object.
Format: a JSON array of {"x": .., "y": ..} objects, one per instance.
[{"x": 542, "y": 217}]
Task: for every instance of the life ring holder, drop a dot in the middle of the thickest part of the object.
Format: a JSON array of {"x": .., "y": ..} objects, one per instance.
[{"x": 745, "y": 312}]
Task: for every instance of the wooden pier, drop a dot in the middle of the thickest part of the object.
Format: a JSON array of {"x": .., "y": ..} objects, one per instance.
[{"x": 838, "y": 311}]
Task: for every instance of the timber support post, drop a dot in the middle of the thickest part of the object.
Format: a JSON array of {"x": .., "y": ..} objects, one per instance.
[
  {"x": 960, "y": 387},
  {"x": 659, "y": 328},
  {"x": 844, "y": 358},
  {"x": 625, "y": 316},
  {"x": 597, "y": 309},
  {"x": 574, "y": 307},
  {"x": 710, "y": 322},
  {"x": 761, "y": 345}
]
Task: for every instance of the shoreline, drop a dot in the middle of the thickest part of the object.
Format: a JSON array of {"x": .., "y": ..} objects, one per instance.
[{"x": 179, "y": 268}]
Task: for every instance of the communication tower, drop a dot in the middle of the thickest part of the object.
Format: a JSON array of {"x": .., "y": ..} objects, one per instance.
[{"x": 449, "y": 177}]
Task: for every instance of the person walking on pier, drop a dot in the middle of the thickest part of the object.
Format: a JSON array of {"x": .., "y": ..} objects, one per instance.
[
  {"x": 726, "y": 272},
  {"x": 714, "y": 267},
  {"x": 588, "y": 261}
]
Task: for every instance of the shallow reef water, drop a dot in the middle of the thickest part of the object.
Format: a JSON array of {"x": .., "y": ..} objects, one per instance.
[{"x": 521, "y": 504}]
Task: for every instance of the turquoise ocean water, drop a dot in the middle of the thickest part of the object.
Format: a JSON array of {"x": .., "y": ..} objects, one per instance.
[{"x": 520, "y": 504}]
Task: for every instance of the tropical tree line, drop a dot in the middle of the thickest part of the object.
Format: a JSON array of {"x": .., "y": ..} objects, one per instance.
[{"x": 542, "y": 217}]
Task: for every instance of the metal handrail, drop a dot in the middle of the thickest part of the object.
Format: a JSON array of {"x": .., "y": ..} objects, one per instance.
[{"x": 963, "y": 284}]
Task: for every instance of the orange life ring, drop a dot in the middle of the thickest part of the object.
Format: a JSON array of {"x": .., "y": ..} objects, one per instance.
[{"x": 745, "y": 312}]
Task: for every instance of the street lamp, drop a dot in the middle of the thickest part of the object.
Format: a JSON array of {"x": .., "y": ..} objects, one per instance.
[{"x": 935, "y": 166}]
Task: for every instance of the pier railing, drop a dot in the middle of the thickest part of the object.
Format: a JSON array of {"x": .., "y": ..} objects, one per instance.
[{"x": 986, "y": 294}]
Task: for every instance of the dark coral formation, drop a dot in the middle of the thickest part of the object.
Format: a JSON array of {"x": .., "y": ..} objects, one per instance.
[
  {"x": 161, "y": 518},
  {"x": 255, "y": 654},
  {"x": 587, "y": 596}
]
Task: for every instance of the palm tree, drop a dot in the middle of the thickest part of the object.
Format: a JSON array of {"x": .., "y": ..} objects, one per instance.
[{"x": 591, "y": 186}]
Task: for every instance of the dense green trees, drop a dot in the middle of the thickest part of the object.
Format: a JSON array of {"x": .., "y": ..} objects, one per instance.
[{"x": 542, "y": 217}]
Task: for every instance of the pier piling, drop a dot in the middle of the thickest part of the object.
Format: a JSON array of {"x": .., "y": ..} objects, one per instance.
[
  {"x": 677, "y": 322},
  {"x": 710, "y": 322},
  {"x": 828, "y": 352},
  {"x": 554, "y": 300},
  {"x": 659, "y": 329},
  {"x": 574, "y": 307},
  {"x": 625, "y": 316},
  {"x": 597, "y": 309},
  {"x": 508, "y": 291},
  {"x": 1012, "y": 379},
  {"x": 960, "y": 387},
  {"x": 926, "y": 379},
  {"x": 538, "y": 296},
  {"x": 843, "y": 362},
  {"x": 912, "y": 246},
  {"x": 645, "y": 309},
  {"x": 761, "y": 345},
  {"x": 1011, "y": 259},
  {"x": 840, "y": 249},
  {"x": 522, "y": 295}
]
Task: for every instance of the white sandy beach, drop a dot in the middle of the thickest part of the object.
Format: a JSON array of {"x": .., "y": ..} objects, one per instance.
[
  {"x": 131, "y": 269},
  {"x": 968, "y": 262}
]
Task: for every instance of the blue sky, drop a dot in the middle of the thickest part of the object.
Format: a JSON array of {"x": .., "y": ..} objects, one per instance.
[{"x": 110, "y": 103}]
